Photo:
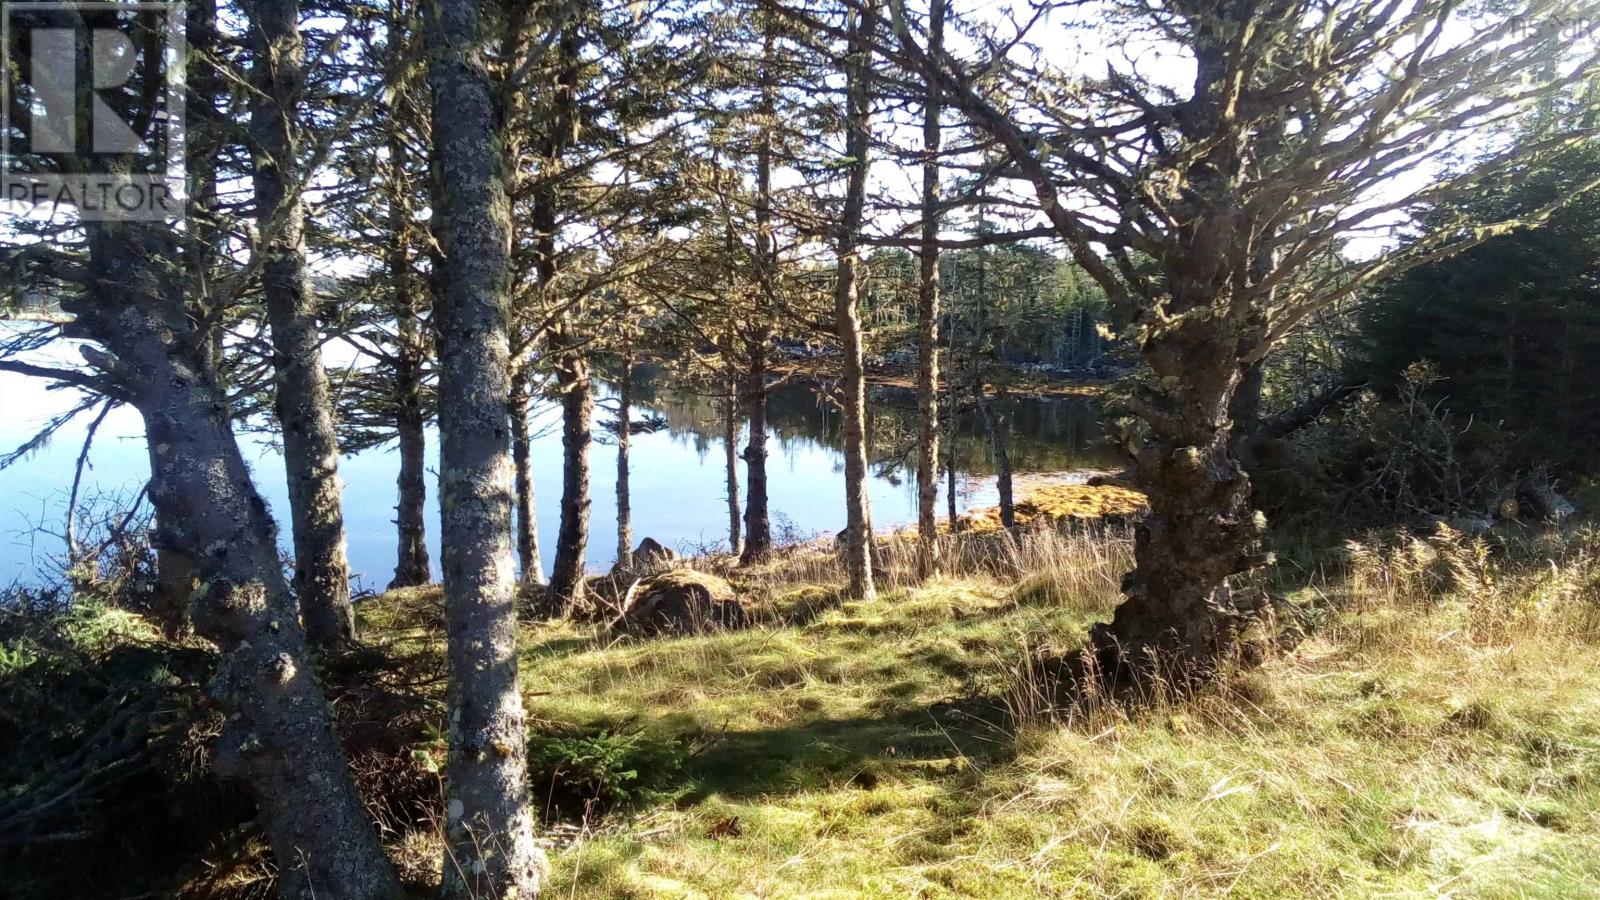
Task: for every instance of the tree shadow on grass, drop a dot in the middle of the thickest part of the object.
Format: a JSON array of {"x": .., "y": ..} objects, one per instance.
[
  {"x": 858, "y": 751},
  {"x": 677, "y": 761}
]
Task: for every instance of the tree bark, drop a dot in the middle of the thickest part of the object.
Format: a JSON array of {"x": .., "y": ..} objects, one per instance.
[
  {"x": 1181, "y": 619},
  {"x": 177, "y": 569},
  {"x": 279, "y": 736},
  {"x": 757, "y": 518},
  {"x": 730, "y": 457},
  {"x": 928, "y": 319},
  {"x": 490, "y": 852},
  {"x": 528, "y": 558},
  {"x": 952, "y": 414},
  {"x": 303, "y": 399},
  {"x": 1180, "y": 616},
  {"x": 571, "y": 366},
  {"x": 572, "y": 538},
  {"x": 951, "y": 513},
  {"x": 175, "y": 583},
  {"x": 624, "y": 502},
  {"x": 412, "y": 565},
  {"x": 847, "y": 313},
  {"x": 757, "y": 339},
  {"x": 1244, "y": 410}
]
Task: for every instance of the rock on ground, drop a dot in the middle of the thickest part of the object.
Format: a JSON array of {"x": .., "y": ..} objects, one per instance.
[
  {"x": 680, "y": 601},
  {"x": 651, "y": 553}
]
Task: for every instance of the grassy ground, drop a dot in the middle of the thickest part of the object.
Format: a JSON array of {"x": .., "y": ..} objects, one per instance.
[
  {"x": 1436, "y": 733},
  {"x": 1439, "y": 733}
]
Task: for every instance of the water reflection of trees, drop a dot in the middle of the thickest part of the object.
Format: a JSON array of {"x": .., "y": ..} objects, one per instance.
[{"x": 1048, "y": 434}]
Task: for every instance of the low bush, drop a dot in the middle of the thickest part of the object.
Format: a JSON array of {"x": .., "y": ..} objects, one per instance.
[{"x": 581, "y": 775}]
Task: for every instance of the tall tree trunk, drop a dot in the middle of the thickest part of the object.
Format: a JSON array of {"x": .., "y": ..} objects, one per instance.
[
  {"x": 528, "y": 558},
  {"x": 176, "y": 567},
  {"x": 757, "y": 519},
  {"x": 1181, "y": 617},
  {"x": 1180, "y": 614},
  {"x": 572, "y": 538},
  {"x": 490, "y": 852},
  {"x": 624, "y": 426},
  {"x": 1244, "y": 409},
  {"x": 278, "y": 737},
  {"x": 951, "y": 513},
  {"x": 571, "y": 366},
  {"x": 953, "y": 417},
  {"x": 176, "y": 578},
  {"x": 928, "y": 319},
  {"x": 412, "y": 566},
  {"x": 847, "y": 314},
  {"x": 730, "y": 458},
  {"x": 757, "y": 339},
  {"x": 304, "y": 405}
]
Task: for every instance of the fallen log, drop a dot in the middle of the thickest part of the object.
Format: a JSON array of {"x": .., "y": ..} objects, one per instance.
[{"x": 1546, "y": 501}]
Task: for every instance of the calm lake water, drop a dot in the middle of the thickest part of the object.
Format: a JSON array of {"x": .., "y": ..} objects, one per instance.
[{"x": 677, "y": 472}]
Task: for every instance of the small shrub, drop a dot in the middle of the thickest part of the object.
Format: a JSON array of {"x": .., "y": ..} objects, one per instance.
[{"x": 575, "y": 775}]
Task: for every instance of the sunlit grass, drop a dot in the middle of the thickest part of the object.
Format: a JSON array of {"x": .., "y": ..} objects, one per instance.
[
  {"x": 1437, "y": 734},
  {"x": 865, "y": 753},
  {"x": 1063, "y": 502}
]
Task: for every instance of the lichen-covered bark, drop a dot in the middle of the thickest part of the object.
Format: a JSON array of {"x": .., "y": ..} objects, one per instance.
[
  {"x": 303, "y": 400},
  {"x": 175, "y": 582},
  {"x": 1180, "y": 615},
  {"x": 278, "y": 736},
  {"x": 490, "y": 852},
  {"x": 528, "y": 560},
  {"x": 928, "y": 318},
  {"x": 177, "y": 570},
  {"x": 847, "y": 316}
]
